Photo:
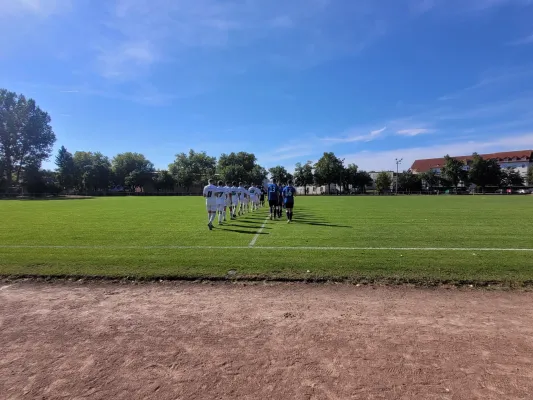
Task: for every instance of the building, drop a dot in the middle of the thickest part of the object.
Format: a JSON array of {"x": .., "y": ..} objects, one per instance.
[{"x": 521, "y": 160}]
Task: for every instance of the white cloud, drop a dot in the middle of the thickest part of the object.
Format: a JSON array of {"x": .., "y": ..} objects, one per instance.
[
  {"x": 522, "y": 41},
  {"x": 372, "y": 135},
  {"x": 40, "y": 8},
  {"x": 384, "y": 160},
  {"x": 414, "y": 131}
]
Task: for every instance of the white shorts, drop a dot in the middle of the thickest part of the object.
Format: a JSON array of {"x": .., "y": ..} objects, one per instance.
[
  {"x": 211, "y": 207},
  {"x": 220, "y": 206}
]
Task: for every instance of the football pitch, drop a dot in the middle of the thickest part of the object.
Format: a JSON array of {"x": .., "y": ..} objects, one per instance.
[{"x": 474, "y": 239}]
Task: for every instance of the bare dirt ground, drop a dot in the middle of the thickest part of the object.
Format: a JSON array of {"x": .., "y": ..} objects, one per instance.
[{"x": 279, "y": 341}]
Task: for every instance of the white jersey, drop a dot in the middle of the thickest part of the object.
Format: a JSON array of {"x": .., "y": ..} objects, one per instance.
[
  {"x": 240, "y": 193},
  {"x": 234, "y": 194},
  {"x": 227, "y": 195},
  {"x": 246, "y": 195},
  {"x": 210, "y": 194},
  {"x": 253, "y": 192},
  {"x": 221, "y": 194}
]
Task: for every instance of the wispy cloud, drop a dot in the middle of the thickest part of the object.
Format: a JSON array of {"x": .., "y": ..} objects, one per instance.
[
  {"x": 356, "y": 137},
  {"x": 414, "y": 131},
  {"x": 522, "y": 41},
  {"x": 384, "y": 160},
  {"x": 40, "y": 8}
]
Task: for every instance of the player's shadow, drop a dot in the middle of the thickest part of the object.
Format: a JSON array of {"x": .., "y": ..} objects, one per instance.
[
  {"x": 308, "y": 218},
  {"x": 246, "y": 226},
  {"x": 241, "y": 231}
]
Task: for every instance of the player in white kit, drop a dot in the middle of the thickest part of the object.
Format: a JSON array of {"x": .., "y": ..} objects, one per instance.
[
  {"x": 227, "y": 200},
  {"x": 240, "y": 193},
  {"x": 253, "y": 197},
  {"x": 234, "y": 200},
  {"x": 221, "y": 201},
  {"x": 210, "y": 202}
]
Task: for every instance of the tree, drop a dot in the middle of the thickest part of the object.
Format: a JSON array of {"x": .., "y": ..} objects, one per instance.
[
  {"x": 530, "y": 175},
  {"x": 38, "y": 181},
  {"x": 430, "y": 179},
  {"x": 279, "y": 173},
  {"x": 163, "y": 180},
  {"x": 453, "y": 171},
  {"x": 510, "y": 177},
  {"x": 409, "y": 182},
  {"x": 193, "y": 168},
  {"x": 66, "y": 170},
  {"x": 350, "y": 175},
  {"x": 483, "y": 172},
  {"x": 362, "y": 180},
  {"x": 328, "y": 169},
  {"x": 131, "y": 169},
  {"x": 26, "y": 137},
  {"x": 93, "y": 170},
  {"x": 241, "y": 167},
  {"x": 303, "y": 175},
  {"x": 383, "y": 181}
]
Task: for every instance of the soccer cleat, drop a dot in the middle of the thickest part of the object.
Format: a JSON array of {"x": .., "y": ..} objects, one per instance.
[{"x": 210, "y": 226}]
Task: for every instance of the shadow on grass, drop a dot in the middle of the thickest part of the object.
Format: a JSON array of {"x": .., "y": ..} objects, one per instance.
[
  {"x": 240, "y": 231},
  {"x": 229, "y": 224},
  {"x": 47, "y": 198}
]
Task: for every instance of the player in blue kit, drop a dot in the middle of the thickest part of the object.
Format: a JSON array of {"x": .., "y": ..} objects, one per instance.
[
  {"x": 288, "y": 200},
  {"x": 272, "y": 192}
]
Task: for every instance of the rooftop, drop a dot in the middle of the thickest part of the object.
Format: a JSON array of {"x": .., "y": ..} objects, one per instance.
[{"x": 520, "y": 155}]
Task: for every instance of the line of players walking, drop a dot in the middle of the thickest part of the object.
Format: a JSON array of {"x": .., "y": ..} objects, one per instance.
[{"x": 239, "y": 199}]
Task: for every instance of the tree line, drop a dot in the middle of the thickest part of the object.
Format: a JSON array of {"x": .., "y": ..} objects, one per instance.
[{"x": 27, "y": 140}]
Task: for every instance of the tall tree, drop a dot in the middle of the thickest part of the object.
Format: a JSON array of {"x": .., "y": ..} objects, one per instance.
[
  {"x": 303, "y": 175},
  {"x": 453, "y": 170},
  {"x": 163, "y": 180},
  {"x": 194, "y": 168},
  {"x": 26, "y": 137},
  {"x": 66, "y": 170},
  {"x": 93, "y": 170},
  {"x": 279, "y": 173},
  {"x": 530, "y": 175},
  {"x": 328, "y": 170},
  {"x": 430, "y": 179},
  {"x": 350, "y": 175},
  {"x": 240, "y": 166},
  {"x": 362, "y": 180},
  {"x": 383, "y": 182},
  {"x": 409, "y": 182},
  {"x": 510, "y": 177},
  {"x": 483, "y": 172},
  {"x": 131, "y": 169}
]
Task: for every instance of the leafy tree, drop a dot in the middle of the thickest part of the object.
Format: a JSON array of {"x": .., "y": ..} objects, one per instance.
[
  {"x": 37, "y": 181},
  {"x": 349, "y": 176},
  {"x": 193, "y": 168},
  {"x": 484, "y": 172},
  {"x": 240, "y": 166},
  {"x": 409, "y": 182},
  {"x": 258, "y": 175},
  {"x": 453, "y": 171},
  {"x": 530, "y": 175},
  {"x": 383, "y": 182},
  {"x": 131, "y": 169},
  {"x": 163, "y": 180},
  {"x": 510, "y": 177},
  {"x": 66, "y": 170},
  {"x": 303, "y": 175},
  {"x": 93, "y": 170},
  {"x": 362, "y": 180},
  {"x": 328, "y": 169},
  {"x": 279, "y": 173},
  {"x": 430, "y": 178},
  {"x": 26, "y": 137}
]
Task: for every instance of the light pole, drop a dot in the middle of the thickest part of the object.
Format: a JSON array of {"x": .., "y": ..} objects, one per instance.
[{"x": 398, "y": 162}]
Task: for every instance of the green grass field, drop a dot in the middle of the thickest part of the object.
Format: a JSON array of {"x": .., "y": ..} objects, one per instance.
[{"x": 392, "y": 238}]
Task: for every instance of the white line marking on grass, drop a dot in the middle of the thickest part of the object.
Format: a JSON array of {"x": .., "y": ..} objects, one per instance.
[
  {"x": 252, "y": 243},
  {"x": 251, "y": 246}
]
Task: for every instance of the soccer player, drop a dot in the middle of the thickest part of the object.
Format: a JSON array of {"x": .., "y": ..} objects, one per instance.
[
  {"x": 240, "y": 193},
  {"x": 221, "y": 200},
  {"x": 273, "y": 190},
  {"x": 288, "y": 199},
  {"x": 227, "y": 200},
  {"x": 262, "y": 198},
  {"x": 234, "y": 200},
  {"x": 253, "y": 197},
  {"x": 280, "y": 200},
  {"x": 245, "y": 199},
  {"x": 210, "y": 202}
]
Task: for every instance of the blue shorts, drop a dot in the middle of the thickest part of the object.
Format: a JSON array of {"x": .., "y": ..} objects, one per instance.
[{"x": 289, "y": 204}]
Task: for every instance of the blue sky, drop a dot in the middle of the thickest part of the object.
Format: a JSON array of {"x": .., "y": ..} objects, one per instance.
[{"x": 371, "y": 80}]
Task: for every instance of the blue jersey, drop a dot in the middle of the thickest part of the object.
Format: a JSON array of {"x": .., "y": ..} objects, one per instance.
[
  {"x": 273, "y": 190},
  {"x": 288, "y": 194}
]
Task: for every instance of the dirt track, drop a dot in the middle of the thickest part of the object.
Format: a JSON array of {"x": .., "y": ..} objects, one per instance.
[{"x": 297, "y": 341}]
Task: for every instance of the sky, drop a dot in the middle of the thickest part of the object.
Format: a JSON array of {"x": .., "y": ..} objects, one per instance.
[{"x": 371, "y": 80}]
